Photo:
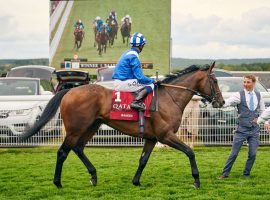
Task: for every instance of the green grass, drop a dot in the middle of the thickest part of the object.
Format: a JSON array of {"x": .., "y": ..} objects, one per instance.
[
  {"x": 151, "y": 17},
  {"x": 28, "y": 174}
]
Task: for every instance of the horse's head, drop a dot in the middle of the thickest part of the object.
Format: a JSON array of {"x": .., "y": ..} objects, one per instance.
[
  {"x": 126, "y": 21},
  {"x": 209, "y": 87}
]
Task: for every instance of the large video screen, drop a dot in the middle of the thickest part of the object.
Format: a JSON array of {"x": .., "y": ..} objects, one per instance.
[{"x": 75, "y": 21}]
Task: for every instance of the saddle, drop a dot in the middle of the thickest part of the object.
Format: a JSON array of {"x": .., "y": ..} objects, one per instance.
[{"x": 121, "y": 109}]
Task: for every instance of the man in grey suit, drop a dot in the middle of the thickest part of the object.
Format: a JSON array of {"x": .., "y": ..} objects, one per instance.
[{"x": 250, "y": 106}]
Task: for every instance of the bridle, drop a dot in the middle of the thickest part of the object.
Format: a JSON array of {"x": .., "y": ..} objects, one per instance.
[{"x": 210, "y": 99}]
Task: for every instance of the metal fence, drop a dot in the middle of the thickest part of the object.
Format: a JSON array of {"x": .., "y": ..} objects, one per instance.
[{"x": 200, "y": 126}]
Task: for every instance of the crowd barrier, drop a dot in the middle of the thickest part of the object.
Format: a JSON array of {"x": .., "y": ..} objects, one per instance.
[{"x": 200, "y": 126}]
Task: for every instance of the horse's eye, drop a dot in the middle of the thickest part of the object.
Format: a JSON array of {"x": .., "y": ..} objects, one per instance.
[{"x": 215, "y": 81}]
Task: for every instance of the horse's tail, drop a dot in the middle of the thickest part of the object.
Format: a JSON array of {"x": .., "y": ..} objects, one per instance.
[{"x": 47, "y": 114}]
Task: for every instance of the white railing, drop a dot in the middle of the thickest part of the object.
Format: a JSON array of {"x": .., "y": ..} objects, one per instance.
[
  {"x": 200, "y": 126},
  {"x": 56, "y": 14},
  {"x": 57, "y": 37}
]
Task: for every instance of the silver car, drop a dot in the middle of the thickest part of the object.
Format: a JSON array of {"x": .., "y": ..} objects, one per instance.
[{"x": 22, "y": 101}]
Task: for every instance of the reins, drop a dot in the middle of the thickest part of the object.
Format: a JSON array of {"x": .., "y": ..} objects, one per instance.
[{"x": 207, "y": 97}]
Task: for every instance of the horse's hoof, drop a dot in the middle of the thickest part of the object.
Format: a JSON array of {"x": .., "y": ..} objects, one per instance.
[
  {"x": 58, "y": 184},
  {"x": 196, "y": 184},
  {"x": 93, "y": 181}
]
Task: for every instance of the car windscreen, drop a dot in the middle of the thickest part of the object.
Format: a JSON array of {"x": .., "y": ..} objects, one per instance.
[
  {"x": 12, "y": 87},
  {"x": 30, "y": 73},
  {"x": 236, "y": 85},
  {"x": 67, "y": 75}
]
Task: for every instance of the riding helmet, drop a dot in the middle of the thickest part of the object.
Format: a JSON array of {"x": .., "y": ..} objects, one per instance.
[{"x": 137, "y": 39}]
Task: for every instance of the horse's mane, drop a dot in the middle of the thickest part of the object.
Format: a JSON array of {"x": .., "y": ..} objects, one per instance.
[{"x": 170, "y": 77}]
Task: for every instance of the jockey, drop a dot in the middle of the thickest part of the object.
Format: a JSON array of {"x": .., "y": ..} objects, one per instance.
[
  {"x": 99, "y": 25},
  {"x": 78, "y": 27},
  {"x": 95, "y": 21},
  {"x": 128, "y": 74},
  {"x": 113, "y": 16},
  {"x": 79, "y": 24},
  {"x": 126, "y": 17}
]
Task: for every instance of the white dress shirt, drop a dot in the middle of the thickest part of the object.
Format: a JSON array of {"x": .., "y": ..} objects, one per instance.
[
  {"x": 235, "y": 100},
  {"x": 264, "y": 116}
]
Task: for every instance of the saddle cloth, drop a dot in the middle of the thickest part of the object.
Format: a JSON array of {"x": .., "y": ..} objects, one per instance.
[{"x": 121, "y": 109}]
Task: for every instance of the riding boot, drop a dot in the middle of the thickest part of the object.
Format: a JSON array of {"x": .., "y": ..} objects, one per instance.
[{"x": 137, "y": 102}]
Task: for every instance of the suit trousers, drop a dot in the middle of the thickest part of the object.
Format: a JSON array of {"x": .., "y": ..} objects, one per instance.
[{"x": 253, "y": 139}]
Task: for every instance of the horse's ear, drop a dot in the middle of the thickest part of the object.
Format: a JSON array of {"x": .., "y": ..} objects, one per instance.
[{"x": 211, "y": 67}]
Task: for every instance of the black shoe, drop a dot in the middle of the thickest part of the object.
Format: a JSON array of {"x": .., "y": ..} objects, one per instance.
[{"x": 137, "y": 102}]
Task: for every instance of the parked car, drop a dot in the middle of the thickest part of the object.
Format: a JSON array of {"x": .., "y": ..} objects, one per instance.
[
  {"x": 222, "y": 73},
  {"x": 71, "y": 78},
  {"x": 22, "y": 101},
  {"x": 104, "y": 76},
  {"x": 219, "y": 124},
  {"x": 44, "y": 73},
  {"x": 24, "y": 94}
]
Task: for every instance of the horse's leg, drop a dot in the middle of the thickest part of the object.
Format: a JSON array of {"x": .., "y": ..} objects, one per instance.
[
  {"x": 99, "y": 49},
  {"x": 172, "y": 140},
  {"x": 78, "y": 149},
  {"x": 69, "y": 143},
  {"x": 147, "y": 149},
  {"x": 61, "y": 157},
  {"x": 80, "y": 44},
  {"x": 123, "y": 39},
  {"x": 74, "y": 44},
  {"x": 77, "y": 45}
]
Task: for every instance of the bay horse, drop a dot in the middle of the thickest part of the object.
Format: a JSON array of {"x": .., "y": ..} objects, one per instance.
[
  {"x": 125, "y": 30},
  {"x": 101, "y": 40},
  {"x": 78, "y": 38},
  {"x": 113, "y": 31},
  {"x": 85, "y": 108}
]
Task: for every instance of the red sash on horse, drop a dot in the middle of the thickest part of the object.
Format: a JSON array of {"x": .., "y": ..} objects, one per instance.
[{"x": 121, "y": 106}]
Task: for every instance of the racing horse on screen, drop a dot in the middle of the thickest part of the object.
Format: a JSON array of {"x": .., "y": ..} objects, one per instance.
[
  {"x": 102, "y": 38},
  {"x": 125, "y": 31},
  {"x": 78, "y": 37},
  {"x": 85, "y": 108},
  {"x": 113, "y": 33}
]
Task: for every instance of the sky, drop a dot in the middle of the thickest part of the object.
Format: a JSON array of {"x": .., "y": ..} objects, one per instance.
[
  {"x": 220, "y": 29},
  {"x": 210, "y": 29},
  {"x": 24, "y": 29}
]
